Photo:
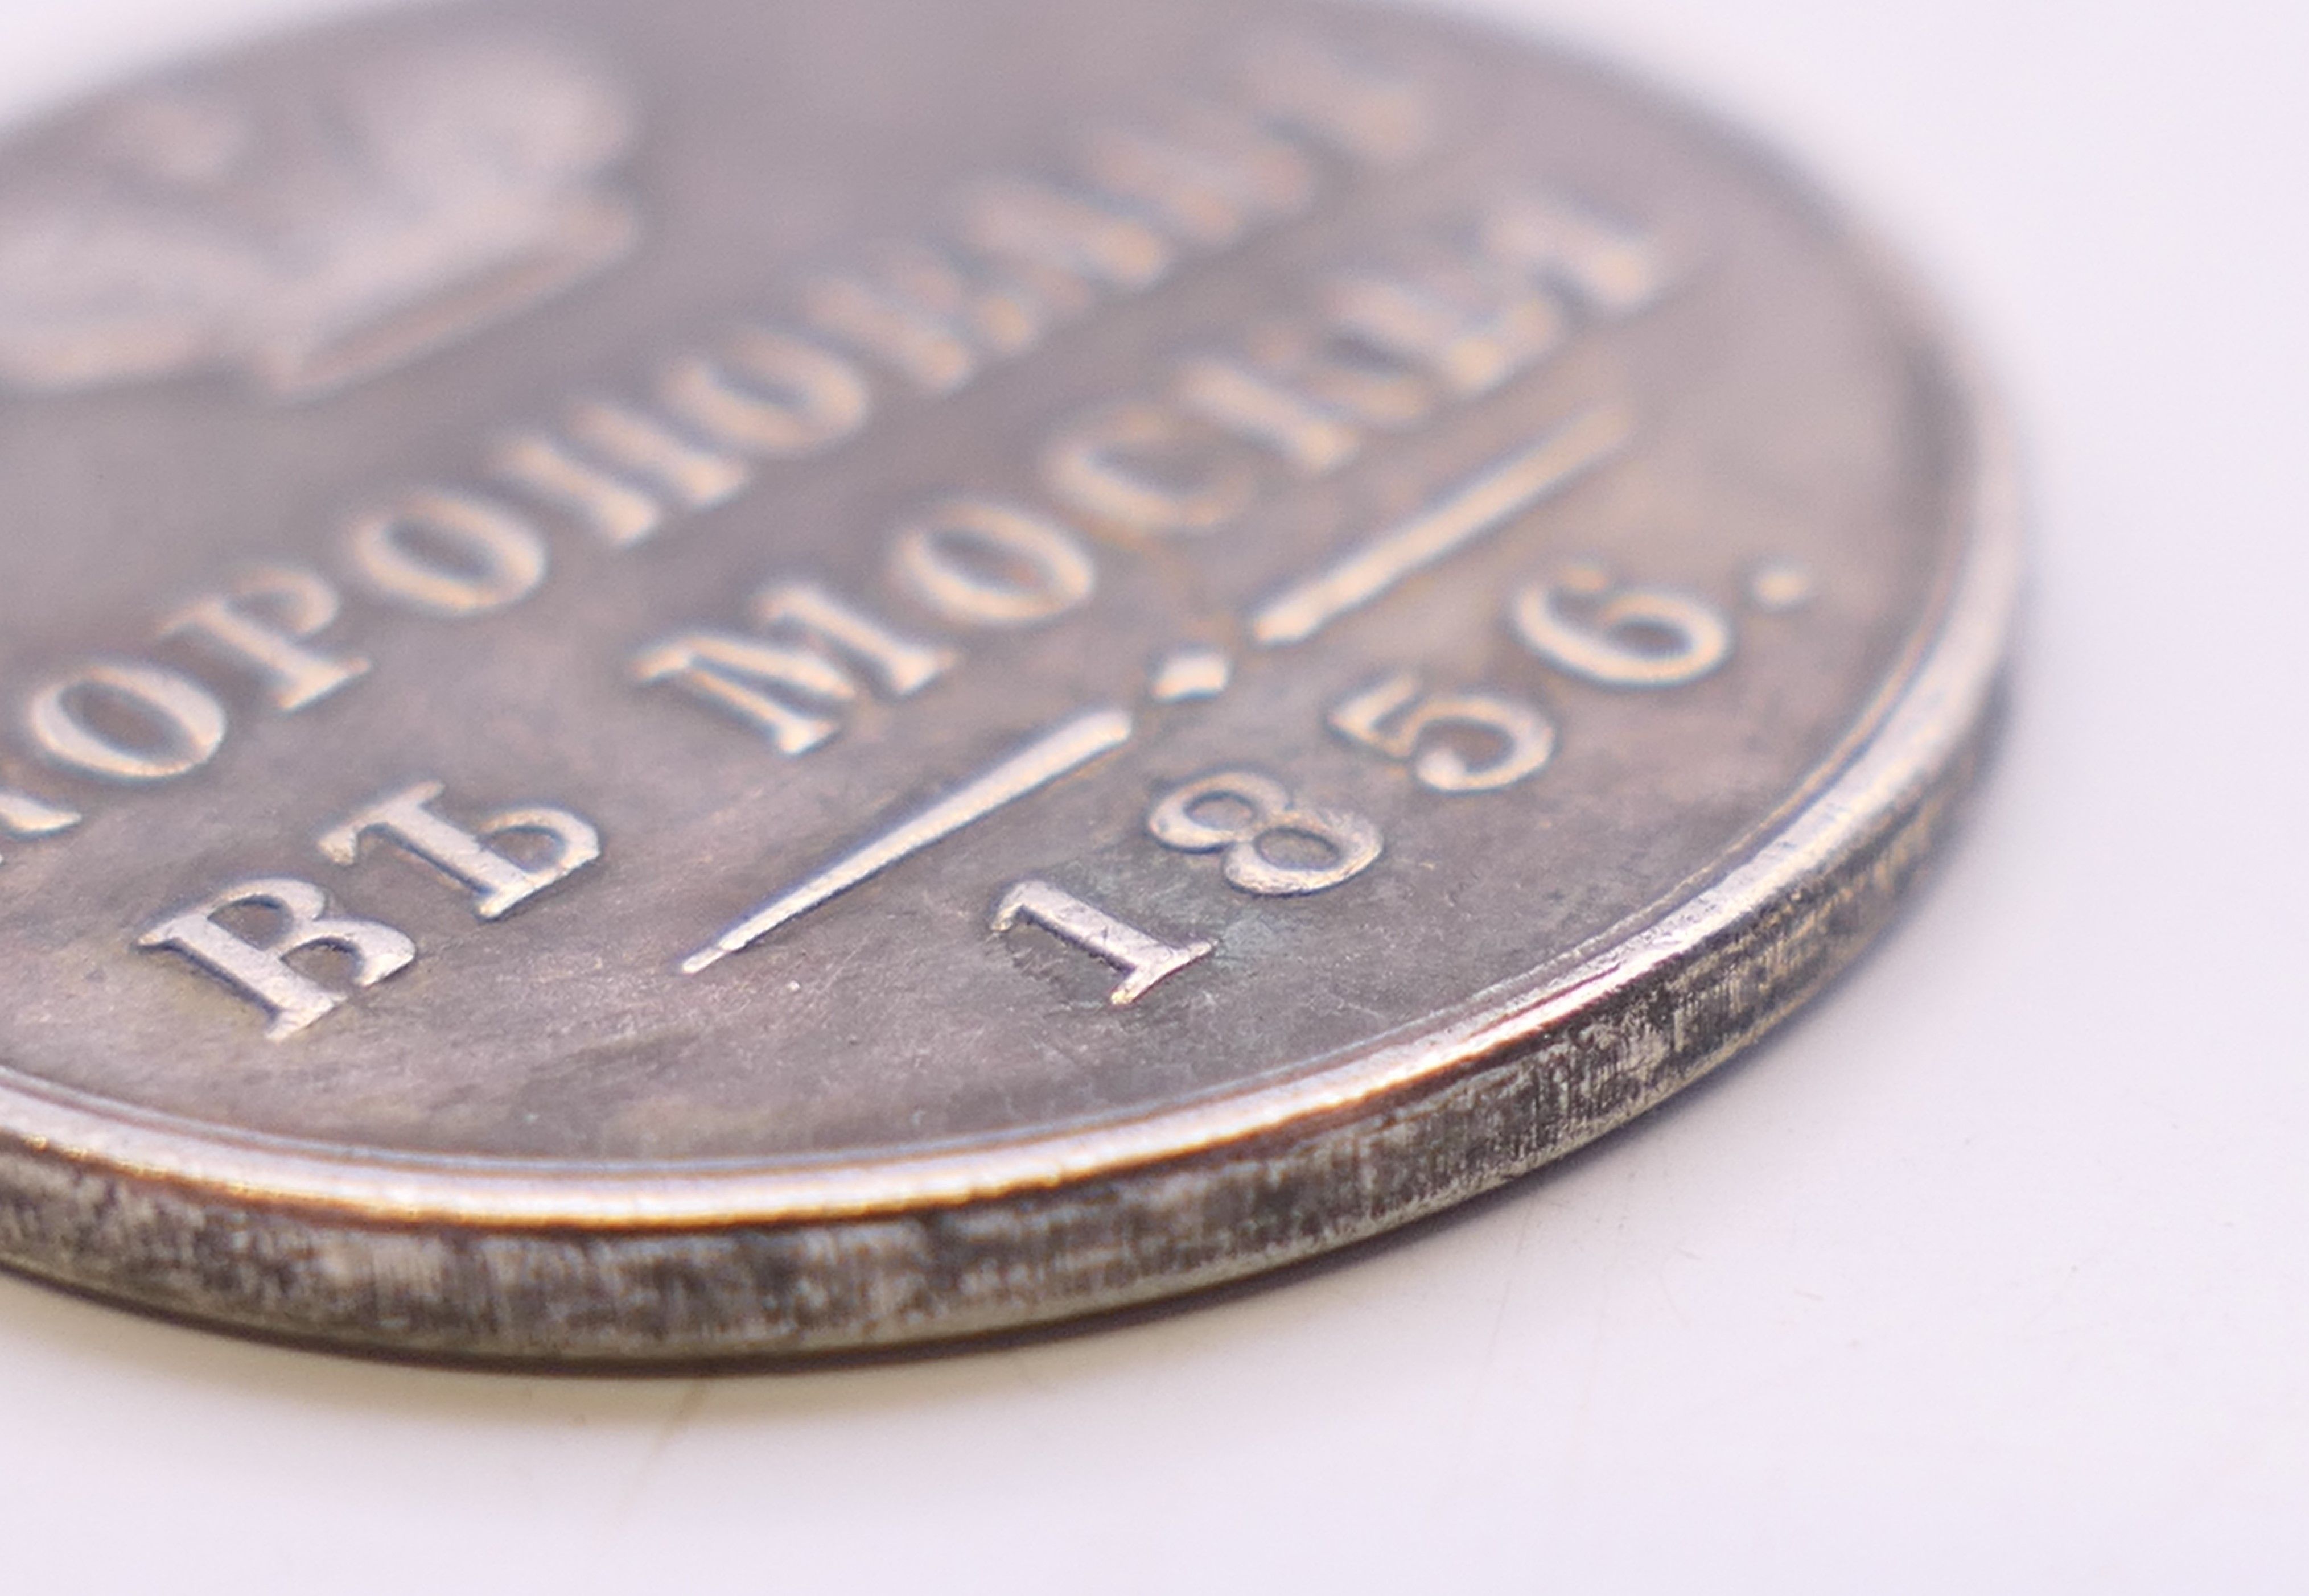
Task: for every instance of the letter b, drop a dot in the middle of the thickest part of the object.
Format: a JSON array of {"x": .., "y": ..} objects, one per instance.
[{"x": 260, "y": 970}]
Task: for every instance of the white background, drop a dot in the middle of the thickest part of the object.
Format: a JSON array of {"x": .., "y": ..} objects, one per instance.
[{"x": 1988, "y": 1276}]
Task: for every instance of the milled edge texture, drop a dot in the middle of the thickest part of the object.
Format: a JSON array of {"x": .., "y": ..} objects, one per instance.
[
  {"x": 643, "y": 1297},
  {"x": 639, "y": 1298},
  {"x": 1536, "y": 1081}
]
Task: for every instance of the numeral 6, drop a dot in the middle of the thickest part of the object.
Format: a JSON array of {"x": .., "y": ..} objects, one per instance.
[{"x": 1623, "y": 637}]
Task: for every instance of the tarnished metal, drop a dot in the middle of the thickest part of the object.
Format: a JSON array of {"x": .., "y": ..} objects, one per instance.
[{"x": 721, "y": 680}]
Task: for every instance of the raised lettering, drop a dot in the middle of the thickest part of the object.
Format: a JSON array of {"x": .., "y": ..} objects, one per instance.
[
  {"x": 1241, "y": 815},
  {"x": 1425, "y": 731},
  {"x": 1341, "y": 373},
  {"x": 545, "y": 468},
  {"x": 770, "y": 393},
  {"x": 1147, "y": 470},
  {"x": 620, "y": 469},
  {"x": 693, "y": 476},
  {"x": 23, "y": 816},
  {"x": 263, "y": 620},
  {"x": 126, "y": 721},
  {"x": 982, "y": 564},
  {"x": 759, "y": 678},
  {"x": 1039, "y": 224},
  {"x": 1143, "y": 960},
  {"x": 260, "y": 970},
  {"x": 1469, "y": 329},
  {"x": 500, "y": 884},
  {"x": 1209, "y": 176},
  {"x": 1613, "y": 270},
  {"x": 904, "y": 666},
  {"x": 917, "y": 311},
  {"x": 452, "y": 555},
  {"x": 1232, "y": 396},
  {"x": 1621, "y": 637},
  {"x": 1308, "y": 87},
  {"x": 755, "y": 680}
]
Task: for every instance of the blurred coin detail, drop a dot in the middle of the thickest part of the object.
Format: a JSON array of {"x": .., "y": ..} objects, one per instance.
[{"x": 764, "y": 679}]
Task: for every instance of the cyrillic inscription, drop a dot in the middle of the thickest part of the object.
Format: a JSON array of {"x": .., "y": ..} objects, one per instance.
[
  {"x": 903, "y": 666},
  {"x": 980, "y": 563},
  {"x": 547, "y": 467},
  {"x": 789, "y": 681},
  {"x": 261, "y": 968},
  {"x": 452, "y": 555},
  {"x": 1613, "y": 270},
  {"x": 1465, "y": 326},
  {"x": 690, "y": 474},
  {"x": 499, "y": 882},
  {"x": 1450, "y": 314},
  {"x": 1210, "y": 175},
  {"x": 1373, "y": 116},
  {"x": 770, "y": 393},
  {"x": 1308, "y": 433},
  {"x": 1466, "y": 310},
  {"x": 928, "y": 315},
  {"x": 23, "y": 816},
  {"x": 1149, "y": 469},
  {"x": 756, "y": 680},
  {"x": 125, "y": 721},
  {"x": 1064, "y": 237},
  {"x": 264, "y": 621}
]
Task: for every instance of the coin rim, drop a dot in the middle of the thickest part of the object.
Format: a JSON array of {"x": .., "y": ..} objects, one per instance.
[{"x": 68, "y": 1169}]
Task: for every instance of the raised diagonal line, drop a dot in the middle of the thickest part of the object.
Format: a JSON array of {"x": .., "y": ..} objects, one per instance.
[
  {"x": 1473, "y": 511},
  {"x": 1067, "y": 746}
]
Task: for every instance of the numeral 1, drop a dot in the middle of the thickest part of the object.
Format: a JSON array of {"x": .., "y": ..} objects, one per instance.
[{"x": 1143, "y": 960}]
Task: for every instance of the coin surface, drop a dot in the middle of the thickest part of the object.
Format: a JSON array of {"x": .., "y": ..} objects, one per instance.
[{"x": 727, "y": 679}]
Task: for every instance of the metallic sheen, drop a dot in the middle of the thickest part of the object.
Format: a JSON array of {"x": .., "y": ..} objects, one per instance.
[{"x": 721, "y": 680}]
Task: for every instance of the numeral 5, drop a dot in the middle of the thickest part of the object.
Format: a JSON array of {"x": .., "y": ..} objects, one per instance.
[{"x": 1429, "y": 731}]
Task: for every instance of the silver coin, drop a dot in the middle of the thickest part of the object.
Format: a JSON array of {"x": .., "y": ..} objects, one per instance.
[{"x": 722, "y": 679}]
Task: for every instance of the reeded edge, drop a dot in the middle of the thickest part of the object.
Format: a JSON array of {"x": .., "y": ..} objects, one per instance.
[
  {"x": 1929, "y": 720},
  {"x": 1171, "y": 1204},
  {"x": 466, "y": 1259}
]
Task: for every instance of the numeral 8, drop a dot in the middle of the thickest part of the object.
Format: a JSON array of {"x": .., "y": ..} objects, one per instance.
[{"x": 1183, "y": 821}]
